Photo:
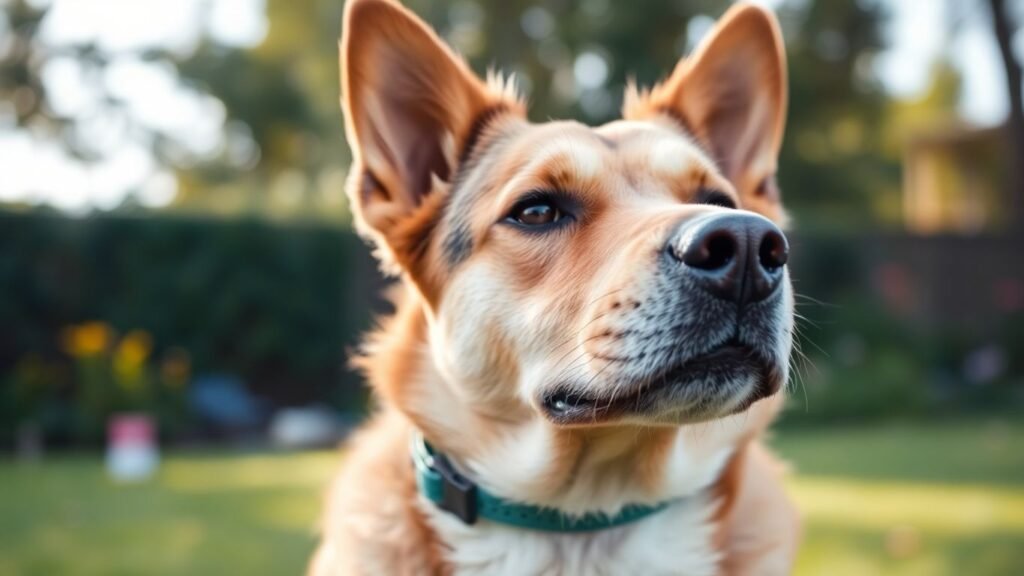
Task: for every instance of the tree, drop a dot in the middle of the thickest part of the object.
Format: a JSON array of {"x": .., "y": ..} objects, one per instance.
[
  {"x": 270, "y": 122},
  {"x": 20, "y": 82},
  {"x": 1004, "y": 30}
]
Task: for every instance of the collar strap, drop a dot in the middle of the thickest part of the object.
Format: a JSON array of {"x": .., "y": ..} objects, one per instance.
[{"x": 452, "y": 492}]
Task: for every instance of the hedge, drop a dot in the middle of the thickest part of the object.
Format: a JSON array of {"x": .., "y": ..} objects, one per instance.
[{"x": 272, "y": 304}]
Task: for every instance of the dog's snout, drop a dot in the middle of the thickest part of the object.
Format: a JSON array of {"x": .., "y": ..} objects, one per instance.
[{"x": 736, "y": 257}]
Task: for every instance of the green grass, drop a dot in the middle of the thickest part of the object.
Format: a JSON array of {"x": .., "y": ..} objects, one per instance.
[
  {"x": 205, "y": 514},
  {"x": 900, "y": 499},
  {"x": 910, "y": 500}
]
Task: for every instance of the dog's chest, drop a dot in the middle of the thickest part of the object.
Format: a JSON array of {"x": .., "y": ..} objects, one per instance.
[{"x": 674, "y": 541}]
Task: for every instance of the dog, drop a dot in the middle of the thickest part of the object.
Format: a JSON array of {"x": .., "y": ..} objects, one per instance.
[{"x": 593, "y": 326}]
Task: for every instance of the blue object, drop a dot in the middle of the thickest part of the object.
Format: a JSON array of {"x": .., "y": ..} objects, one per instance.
[{"x": 224, "y": 401}]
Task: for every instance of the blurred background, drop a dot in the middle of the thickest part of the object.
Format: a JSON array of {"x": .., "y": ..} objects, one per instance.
[{"x": 179, "y": 282}]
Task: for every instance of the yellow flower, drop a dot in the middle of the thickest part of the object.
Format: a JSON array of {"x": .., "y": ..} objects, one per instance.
[
  {"x": 89, "y": 339},
  {"x": 130, "y": 357}
]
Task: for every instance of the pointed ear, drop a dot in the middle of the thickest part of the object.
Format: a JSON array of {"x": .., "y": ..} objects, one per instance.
[
  {"x": 410, "y": 109},
  {"x": 731, "y": 95}
]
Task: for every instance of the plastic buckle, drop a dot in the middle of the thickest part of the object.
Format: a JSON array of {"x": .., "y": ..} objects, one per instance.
[{"x": 458, "y": 495}]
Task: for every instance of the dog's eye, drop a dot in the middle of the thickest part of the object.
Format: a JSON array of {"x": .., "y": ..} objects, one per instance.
[
  {"x": 536, "y": 212},
  {"x": 715, "y": 198}
]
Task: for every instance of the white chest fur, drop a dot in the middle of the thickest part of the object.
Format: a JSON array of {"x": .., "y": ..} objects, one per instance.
[{"x": 676, "y": 540}]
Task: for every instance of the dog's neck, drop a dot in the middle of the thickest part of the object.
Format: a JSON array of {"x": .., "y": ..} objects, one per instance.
[{"x": 519, "y": 456}]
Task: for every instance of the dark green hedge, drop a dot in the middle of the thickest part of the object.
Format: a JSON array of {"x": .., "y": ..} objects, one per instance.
[{"x": 275, "y": 305}]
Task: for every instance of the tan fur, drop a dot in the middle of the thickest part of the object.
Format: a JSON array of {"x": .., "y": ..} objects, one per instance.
[
  {"x": 372, "y": 503},
  {"x": 753, "y": 172},
  {"x": 487, "y": 316},
  {"x": 761, "y": 532}
]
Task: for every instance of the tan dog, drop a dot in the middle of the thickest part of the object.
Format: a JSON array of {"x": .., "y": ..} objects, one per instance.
[{"x": 594, "y": 325}]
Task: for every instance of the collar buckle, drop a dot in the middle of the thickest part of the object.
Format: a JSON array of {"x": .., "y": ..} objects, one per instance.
[{"x": 458, "y": 494}]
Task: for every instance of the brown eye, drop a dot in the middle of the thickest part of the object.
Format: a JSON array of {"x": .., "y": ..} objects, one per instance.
[{"x": 536, "y": 212}]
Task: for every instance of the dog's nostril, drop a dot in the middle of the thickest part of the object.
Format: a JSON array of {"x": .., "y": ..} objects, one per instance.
[
  {"x": 773, "y": 252},
  {"x": 711, "y": 252}
]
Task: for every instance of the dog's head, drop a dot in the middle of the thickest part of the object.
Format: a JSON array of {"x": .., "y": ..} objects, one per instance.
[{"x": 628, "y": 274}]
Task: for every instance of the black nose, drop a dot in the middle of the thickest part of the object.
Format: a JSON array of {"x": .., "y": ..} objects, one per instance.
[{"x": 736, "y": 257}]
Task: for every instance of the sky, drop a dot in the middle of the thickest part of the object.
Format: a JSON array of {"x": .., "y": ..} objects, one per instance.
[
  {"x": 919, "y": 31},
  {"x": 37, "y": 171}
]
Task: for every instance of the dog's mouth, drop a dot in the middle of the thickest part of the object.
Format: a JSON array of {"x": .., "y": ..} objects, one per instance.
[{"x": 723, "y": 381}]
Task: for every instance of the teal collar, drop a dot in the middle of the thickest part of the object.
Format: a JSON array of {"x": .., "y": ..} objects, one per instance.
[{"x": 452, "y": 492}]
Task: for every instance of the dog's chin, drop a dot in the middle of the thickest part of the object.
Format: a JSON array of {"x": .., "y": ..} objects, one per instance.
[{"x": 719, "y": 383}]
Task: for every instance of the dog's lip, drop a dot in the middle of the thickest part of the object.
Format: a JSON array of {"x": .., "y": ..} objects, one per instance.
[{"x": 569, "y": 405}]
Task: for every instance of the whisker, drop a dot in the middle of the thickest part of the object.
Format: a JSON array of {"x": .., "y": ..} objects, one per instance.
[{"x": 812, "y": 300}]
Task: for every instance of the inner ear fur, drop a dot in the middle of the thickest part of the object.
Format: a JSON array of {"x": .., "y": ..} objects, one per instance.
[
  {"x": 411, "y": 107},
  {"x": 731, "y": 95}
]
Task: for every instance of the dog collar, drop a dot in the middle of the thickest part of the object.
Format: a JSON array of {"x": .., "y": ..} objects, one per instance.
[{"x": 452, "y": 492}]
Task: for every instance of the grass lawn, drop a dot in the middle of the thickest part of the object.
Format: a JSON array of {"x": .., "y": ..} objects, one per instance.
[
  {"x": 900, "y": 499},
  {"x": 908, "y": 500}
]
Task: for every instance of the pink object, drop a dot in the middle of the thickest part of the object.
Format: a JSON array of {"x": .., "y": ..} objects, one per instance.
[
  {"x": 128, "y": 428},
  {"x": 132, "y": 453}
]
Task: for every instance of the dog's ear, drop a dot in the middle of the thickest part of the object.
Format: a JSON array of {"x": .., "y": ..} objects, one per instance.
[
  {"x": 731, "y": 95},
  {"x": 410, "y": 106}
]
